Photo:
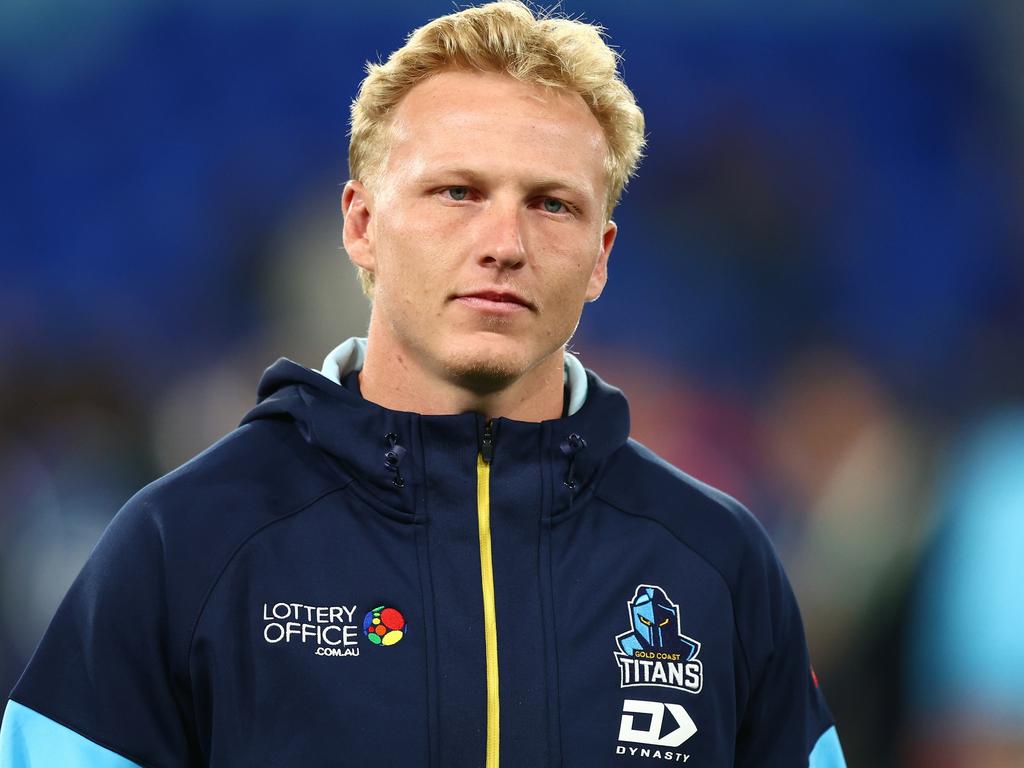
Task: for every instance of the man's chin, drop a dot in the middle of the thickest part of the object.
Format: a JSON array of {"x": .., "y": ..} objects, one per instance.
[
  {"x": 484, "y": 375},
  {"x": 484, "y": 368}
]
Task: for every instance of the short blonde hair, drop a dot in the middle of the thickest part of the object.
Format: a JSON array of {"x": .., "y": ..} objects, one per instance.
[{"x": 507, "y": 37}]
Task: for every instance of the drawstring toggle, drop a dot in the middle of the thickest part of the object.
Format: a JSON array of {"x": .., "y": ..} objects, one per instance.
[
  {"x": 571, "y": 446},
  {"x": 392, "y": 457}
]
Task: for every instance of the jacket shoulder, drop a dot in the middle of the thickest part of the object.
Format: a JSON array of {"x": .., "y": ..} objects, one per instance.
[
  {"x": 114, "y": 666},
  {"x": 176, "y": 535},
  {"x": 712, "y": 523},
  {"x": 261, "y": 468}
]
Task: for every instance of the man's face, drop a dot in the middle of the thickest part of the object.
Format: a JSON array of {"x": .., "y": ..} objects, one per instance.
[{"x": 486, "y": 231}]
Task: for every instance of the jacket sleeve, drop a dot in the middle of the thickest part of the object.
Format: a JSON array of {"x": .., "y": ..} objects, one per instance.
[
  {"x": 786, "y": 722},
  {"x": 108, "y": 684}
]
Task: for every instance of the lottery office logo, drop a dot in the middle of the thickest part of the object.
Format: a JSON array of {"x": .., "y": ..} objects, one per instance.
[
  {"x": 384, "y": 625},
  {"x": 330, "y": 630}
]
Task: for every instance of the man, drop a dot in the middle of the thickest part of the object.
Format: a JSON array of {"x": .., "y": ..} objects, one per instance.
[{"x": 443, "y": 550}]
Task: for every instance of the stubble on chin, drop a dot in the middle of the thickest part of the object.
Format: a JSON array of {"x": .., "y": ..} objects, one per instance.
[
  {"x": 482, "y": 375},
  {"x": 483, "y": 371}
]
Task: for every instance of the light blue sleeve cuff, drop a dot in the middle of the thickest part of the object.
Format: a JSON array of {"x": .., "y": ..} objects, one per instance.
[
  {"x": 30, "y": 740},
  {"x": 827, "y": 753}
]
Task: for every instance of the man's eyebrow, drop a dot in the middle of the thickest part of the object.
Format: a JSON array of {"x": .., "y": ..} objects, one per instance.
[{"x": 436, "y": 173}]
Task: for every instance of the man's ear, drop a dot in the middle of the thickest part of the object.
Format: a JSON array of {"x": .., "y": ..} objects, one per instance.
[
  {"x": 599, "y": 275},
  {"x": 357, "y": 235}
]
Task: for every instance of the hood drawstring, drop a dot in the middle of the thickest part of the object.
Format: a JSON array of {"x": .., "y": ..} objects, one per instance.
[
  {"x": 392, "y": 456},
  {"x": 571, "y": 446}
]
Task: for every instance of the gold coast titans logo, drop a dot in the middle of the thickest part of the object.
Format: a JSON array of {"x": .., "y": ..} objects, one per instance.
[{"x": 654, "y": 651}]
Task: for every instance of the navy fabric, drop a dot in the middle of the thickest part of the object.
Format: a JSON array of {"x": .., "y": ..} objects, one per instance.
[{"x": 226, "y": 616}]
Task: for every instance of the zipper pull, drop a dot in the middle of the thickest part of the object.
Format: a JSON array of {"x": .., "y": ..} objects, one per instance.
[{"x": 487, "y": 442}]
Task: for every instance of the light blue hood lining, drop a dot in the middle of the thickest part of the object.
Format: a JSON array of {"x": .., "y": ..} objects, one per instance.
[{"x": 351, "y": 354}]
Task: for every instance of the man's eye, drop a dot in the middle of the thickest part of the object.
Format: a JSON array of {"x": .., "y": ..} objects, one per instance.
[
  {"x": 457, "y": 193},
  {"x": 553, "y": 205}
]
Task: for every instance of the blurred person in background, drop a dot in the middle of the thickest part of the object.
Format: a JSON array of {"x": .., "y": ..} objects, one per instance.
[
  {"x": 846, "y": 466},
  {"x": 966, "y": 676},
  {"x": 70, "y": 450},
  {"x": 337, "y": 573}
]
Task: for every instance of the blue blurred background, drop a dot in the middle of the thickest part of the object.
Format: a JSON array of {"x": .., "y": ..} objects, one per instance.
[{"x": 816, "y": 297}]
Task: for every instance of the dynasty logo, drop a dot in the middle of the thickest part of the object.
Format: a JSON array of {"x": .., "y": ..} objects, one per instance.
[{"x": 655, "y": 651}]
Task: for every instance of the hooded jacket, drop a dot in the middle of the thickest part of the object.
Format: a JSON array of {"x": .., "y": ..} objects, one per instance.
[{"x": 338, "y": 584}]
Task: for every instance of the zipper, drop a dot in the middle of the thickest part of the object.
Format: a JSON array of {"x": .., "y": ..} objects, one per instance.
[{"x": 483, "y": 513}]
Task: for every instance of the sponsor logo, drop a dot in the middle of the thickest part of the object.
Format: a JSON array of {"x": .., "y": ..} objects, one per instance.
[
  {"x": 661, "y": 727},
  {"x": 330, "y": 630},
  {"x": 327, "y": 629},
  {"x": 384, "y": 625},
  {"x": 654, "y": 651}
]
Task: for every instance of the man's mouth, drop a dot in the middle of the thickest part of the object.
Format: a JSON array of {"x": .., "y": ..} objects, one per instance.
[{"x": 495, "y": 301}]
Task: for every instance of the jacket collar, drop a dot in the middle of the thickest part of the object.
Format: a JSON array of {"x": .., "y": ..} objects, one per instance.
[
  {"x": 350, "y": 355},
  {"x": 392, "y": 455}
]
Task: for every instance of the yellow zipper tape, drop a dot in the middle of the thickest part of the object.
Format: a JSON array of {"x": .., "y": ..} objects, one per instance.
[{"x": 483, "y": 513}]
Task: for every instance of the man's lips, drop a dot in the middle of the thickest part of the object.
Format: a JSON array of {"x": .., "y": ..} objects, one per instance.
[{"x": 492, "y": 300}]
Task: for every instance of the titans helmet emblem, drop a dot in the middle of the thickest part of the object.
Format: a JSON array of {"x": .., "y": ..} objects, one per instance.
[{"x": 654, "y": 651}]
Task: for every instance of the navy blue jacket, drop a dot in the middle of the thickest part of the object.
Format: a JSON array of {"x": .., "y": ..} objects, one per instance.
[{"x": 337, "y": 584}]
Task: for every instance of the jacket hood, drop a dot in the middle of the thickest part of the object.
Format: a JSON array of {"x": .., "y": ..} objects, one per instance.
[{"x": 393, "y": 455}]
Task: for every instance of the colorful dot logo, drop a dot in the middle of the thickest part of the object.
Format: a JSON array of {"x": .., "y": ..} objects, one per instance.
[{"x": 384, "y": 626}]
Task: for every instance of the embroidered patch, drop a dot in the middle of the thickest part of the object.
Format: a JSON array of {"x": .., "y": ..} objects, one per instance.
[
  {"x": 654, "y": 651},
  {"x": 384, "y": 625},
  {"x": 328, "y": 629}
]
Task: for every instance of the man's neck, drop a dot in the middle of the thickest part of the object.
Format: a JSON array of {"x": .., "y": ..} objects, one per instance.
[{"x": 394, "y": 379}]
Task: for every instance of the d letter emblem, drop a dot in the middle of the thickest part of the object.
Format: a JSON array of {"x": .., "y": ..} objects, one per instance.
[{"x": 685, "y": 727}]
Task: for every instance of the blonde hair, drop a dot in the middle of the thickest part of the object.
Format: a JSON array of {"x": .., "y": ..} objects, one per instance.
[{"x": 506, "y": 37}]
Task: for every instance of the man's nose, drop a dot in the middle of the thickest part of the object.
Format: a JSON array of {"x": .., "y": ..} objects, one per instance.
[{"x": 502, "y": 242}]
